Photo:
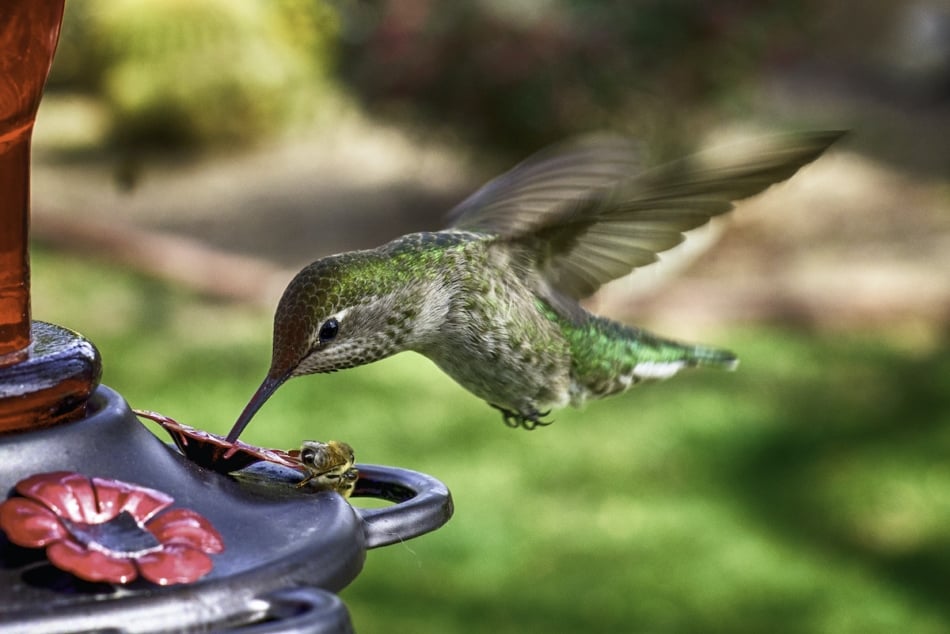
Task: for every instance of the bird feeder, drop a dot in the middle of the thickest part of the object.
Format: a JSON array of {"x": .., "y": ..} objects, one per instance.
[{"x": 106, "y": 527}]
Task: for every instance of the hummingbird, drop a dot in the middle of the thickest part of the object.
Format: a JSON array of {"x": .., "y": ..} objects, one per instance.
[{"x": 494, "y": 298}]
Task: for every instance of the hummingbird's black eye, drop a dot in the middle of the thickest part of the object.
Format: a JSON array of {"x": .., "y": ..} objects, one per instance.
[{"x": 329, "y": 329}]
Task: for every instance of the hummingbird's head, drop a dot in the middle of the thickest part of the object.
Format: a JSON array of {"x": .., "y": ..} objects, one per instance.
[{"x": 337, "y": 313}]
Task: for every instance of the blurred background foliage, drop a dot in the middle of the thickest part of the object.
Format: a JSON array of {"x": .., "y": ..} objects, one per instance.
[
  {"x": 503, "y": 77},
  {"x": 512, "y": 75},
  {"x": 523, "y": 74},
  {"x": 807, "y": 492},
  {"x": 175, "y": 74}
]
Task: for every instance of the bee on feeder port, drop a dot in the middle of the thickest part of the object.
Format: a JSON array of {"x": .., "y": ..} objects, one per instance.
[{"x": 329, "y": 466}]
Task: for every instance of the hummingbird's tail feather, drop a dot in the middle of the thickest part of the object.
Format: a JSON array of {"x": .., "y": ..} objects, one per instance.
[
  {"x": 608, "y": 357},
  {"x": 707, "y": 357},
  {"x": 653, "y": 358}
]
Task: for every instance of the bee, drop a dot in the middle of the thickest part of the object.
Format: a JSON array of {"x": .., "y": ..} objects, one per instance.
[{"x": 329, "y": 466}]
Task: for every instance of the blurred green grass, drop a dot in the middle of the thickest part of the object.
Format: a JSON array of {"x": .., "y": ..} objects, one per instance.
[{"x": 808, "y": 492}]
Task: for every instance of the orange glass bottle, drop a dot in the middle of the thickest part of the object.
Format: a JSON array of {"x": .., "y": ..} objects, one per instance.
[
  {"x": 29, "y": 31},
  {"x": 47, "y": 373}
]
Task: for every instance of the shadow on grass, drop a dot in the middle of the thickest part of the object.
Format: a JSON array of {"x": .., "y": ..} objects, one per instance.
[{"x": 855, "y": 469}]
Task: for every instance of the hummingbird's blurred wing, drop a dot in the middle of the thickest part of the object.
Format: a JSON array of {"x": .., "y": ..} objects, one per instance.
[{"x": 588, "y": 213}]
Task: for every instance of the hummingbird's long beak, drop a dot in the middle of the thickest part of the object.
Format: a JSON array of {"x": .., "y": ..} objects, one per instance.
[{"x": 268, "y": 387}]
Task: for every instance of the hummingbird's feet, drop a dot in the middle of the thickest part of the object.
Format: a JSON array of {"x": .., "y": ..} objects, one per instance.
[{"x": 529, "y": 421}]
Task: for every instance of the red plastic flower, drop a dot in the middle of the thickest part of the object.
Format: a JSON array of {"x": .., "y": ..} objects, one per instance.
[{"x": 108, "y": 530}]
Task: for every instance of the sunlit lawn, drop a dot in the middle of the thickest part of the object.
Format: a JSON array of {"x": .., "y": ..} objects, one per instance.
[{"x": 808, "y": 492}]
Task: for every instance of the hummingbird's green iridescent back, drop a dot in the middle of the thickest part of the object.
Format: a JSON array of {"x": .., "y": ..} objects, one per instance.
[{"x": 493, "y": 300}]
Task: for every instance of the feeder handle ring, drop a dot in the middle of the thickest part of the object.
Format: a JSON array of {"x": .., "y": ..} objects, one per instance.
[{"x": 422, "y": 504}]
